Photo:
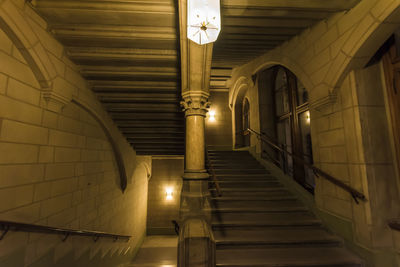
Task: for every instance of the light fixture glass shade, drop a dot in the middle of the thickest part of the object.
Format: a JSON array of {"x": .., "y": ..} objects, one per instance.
[{"x": 203, "y": 21}]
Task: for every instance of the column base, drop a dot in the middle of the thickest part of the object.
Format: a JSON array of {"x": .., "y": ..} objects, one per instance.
[
  {"x": 196, "y": 247},
  {"x": 195, "y": 175}
]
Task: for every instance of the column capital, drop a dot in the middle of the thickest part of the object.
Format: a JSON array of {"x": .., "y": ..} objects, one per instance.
[{"x": 195, "y": 103}]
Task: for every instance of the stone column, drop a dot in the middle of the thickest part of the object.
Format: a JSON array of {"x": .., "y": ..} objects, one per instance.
[{"x": 196, "y": 241}]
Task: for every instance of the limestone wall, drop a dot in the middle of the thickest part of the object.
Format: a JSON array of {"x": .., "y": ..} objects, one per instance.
[
  {"x": 162, "y": 210},
  {"x": 58, "y": 164},
  {"x": 219, "y": 132}
]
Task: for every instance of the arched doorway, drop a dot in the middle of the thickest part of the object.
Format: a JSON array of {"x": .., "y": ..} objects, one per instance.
[{"x": 285, "y": 118}]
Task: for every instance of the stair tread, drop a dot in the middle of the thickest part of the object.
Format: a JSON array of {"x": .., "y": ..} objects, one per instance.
[
  {"x": 286, "y": 257},
  {"x": 259, "y": 222},
  {"x": 273, "y": 235}
]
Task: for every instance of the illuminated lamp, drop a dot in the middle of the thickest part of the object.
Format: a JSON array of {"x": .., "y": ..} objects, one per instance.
[{"x": 203, "y": 21}]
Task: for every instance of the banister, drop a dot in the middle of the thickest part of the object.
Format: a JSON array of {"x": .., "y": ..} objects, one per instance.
[
  {"x": 214, "y": 177},
  {"x": 7, "y": 226},
  {"x": 318, "y": 172}
]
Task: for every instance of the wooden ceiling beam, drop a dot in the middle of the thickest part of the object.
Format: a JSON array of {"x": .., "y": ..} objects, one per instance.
[
  {"x": 336, "y": 5},
  {"x": 150, "y": 7}
]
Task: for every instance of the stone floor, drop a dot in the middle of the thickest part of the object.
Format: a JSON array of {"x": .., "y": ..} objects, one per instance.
[{"x": 157, "y": 251}]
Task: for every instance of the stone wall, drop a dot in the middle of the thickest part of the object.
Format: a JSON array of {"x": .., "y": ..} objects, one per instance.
[
  {"x": 58, "y": 164},
  {"x": 166, "y": 175},
  {"x": 349, "y": 123},
  {"x": 219, "y": 132}
]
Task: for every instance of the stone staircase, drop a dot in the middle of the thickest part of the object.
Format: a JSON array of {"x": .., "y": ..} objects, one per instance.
[{"x": 258, "y": 222}]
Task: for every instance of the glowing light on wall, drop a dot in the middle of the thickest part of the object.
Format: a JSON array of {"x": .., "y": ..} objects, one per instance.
[
  {"x": 169, "y": 193},
  {"x": 211, "y": 117},
  {"x": 308, "y": 117},
  {"x": 203, "y": 21}
]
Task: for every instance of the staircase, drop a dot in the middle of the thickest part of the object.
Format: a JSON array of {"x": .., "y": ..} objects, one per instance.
[{"x": 258, "y": 222}]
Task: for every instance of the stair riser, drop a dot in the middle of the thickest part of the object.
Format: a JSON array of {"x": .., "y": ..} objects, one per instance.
[
  {"x": 240, "y": 171},
  {"x": 249, "y": 185},
  {"x": 246, "y": 184},
  {"x": 239, "y": 245},
  {"x": 251, "y": 194}
]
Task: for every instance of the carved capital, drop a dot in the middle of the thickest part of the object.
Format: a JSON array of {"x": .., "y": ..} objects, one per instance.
[
  {"x": 55, "y": 102},
  {"x": 195, "y": 104}
]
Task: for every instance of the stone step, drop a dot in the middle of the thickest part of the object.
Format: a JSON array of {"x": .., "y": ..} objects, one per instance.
[
  {"x": 276, "y": 218},
  {"x": 232, "y": 192},
  {"x": 252, "y": 198},
  {"x": 244, "y": 176},
  {"x": 245, "y": 185},
  {"x": 236, "y": 167},
  {"x": 241, "y": 171},
  {"x": 287, "y": 257},
  {"x": 272, "y": 237},
  {"x": 246, "y": 179}
]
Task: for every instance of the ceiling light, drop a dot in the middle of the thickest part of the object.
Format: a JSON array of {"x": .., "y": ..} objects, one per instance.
[{"x": 204, "y": 21}]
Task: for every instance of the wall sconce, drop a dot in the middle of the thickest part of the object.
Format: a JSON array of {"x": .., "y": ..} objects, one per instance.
[
  {"x": 169, "y": 193},
  {"x": 203, "y": 21},
  {"x": 211, "y": 117},
  {"x": 308, "y": 117}
]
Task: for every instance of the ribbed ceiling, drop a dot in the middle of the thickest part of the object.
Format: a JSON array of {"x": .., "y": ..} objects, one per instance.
[{"x": 128, "y": 50}]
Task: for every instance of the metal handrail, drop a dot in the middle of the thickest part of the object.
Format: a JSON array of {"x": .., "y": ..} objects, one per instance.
[
  {"x": 7, "y": 226},
  {"x": 214, "y": 177},
  {"x": 318, "y": 172}
]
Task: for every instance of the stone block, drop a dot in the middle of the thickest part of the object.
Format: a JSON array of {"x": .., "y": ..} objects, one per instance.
[
  {"x": 19, "y": 111},
  {"x": 337, "y": 170},
  {"x": 69, "y": 125},
  {"x": 58, "y": 64},
  {"x": 13, "y": 131},
  {"x": 5, "y": 43},
  {"x": 25, "y": 214},
  {"x": 86, "y": 207},
  {"x": 17, "y": 70},
  {"x": 12, "y": 153},
  {"x": 75, "y": 78},
  {"x": 338, "y": 206},
  {"x": 64, "y": 186},
  {"x": 339, "y": 154},
  {"x": 335, "y": 121},
  {"x": 46, "y": 154},
  {"x": 76, "y": 197},
  {"x": 63, "y": 154},
  {"x": 50, "y": 119},
  {"x": 326, "y": 40},
  {"x": 60, "y": 138},
  {"x": 63, "y": 218},
  {"x": 11, "y": 198},
  {"x": 47, "y": 40},
  {"x": 55, "y": 205},
  {"x": 42, "y": 191},
  {"x": 34, "y": 17},
  {"x": 59, "y": 170},
  {"x": 94, "y": 143},
  {"x": 375, "y": 134},
  {"x": 17, "y": 55},
  {"x": 14, "y": 175},
  {"x": 331, "y": 138},
  {"x": 316, "y": 32},
  {"x": 3, "y": 84}
]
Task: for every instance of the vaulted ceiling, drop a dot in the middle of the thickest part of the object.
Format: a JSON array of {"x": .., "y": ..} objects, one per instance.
[{"x": 128, "y": 50}]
